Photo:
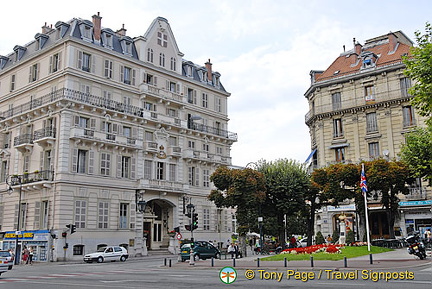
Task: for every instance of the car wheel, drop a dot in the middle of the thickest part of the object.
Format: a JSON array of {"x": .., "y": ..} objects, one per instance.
[
  {"x": 100, "y": 259},
  {"x": 122, "y": 258},
  {"x": 217, "y": 256},
  {"x": 196, "y": 257},
  {"x": 10, "y": 267}
]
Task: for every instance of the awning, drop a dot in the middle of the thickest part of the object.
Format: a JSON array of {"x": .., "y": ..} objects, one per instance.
[
  {"x": 341, "y": 145},
  {"x": 310, "y": 156}
]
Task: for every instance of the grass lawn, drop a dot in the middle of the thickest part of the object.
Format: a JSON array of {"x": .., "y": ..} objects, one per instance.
[{"x": 348, "y": 252}]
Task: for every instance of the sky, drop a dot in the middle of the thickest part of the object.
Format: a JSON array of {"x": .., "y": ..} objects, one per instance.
[{"x": 263, "y": 49}]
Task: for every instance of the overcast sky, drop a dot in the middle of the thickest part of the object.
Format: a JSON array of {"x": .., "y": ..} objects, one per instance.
[{"x": 263, "y": 49}]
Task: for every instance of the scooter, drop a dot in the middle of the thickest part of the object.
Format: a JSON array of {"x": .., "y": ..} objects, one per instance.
[{"x": 416, "y": 246}]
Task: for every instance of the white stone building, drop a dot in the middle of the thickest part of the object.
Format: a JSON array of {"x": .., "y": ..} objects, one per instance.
[{"x": 93, "y": 121}]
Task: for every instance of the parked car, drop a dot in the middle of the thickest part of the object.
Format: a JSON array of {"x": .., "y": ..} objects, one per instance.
[
  {"x": 9, "y": 257},
  {"x": 4, "y": 265},
  {"x": 303, "y": 242},
  {"x": 109, "y": 253},
  {"x": 201, "y": 250}
]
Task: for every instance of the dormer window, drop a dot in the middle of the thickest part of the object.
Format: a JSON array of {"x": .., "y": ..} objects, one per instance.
[
  {"x": 62, "y": 28},
  {"x": 368, "y": 60},
  {"x": 3, "y": 61},
  {"x": 189, "y": 71},
  {"x": 41, "y": 39},
  {"x": 162, "y": 39},
  {"x": 19, "y": 52},
  {"x": 86, "y": 29},
  {"x": 126, "y": 44}
]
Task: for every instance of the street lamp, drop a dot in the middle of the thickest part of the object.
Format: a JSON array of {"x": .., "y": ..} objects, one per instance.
[
  {"x": 10, "y": 182},
  {"x": 140, "y": 203}
]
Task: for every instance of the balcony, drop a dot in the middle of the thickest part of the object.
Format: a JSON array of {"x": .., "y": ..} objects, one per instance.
[
  {"x": 151, "y": 146},
  {"x": 104, "y": 137},
  {"x": 174, "y": 151},
  {"x": 24, "y": 142},
  {"x": 33, "y": 181},
  {"x": 161, "y": 185},
  {"x": 212, "y": 130},
  {"x": 45, "y": 136}
]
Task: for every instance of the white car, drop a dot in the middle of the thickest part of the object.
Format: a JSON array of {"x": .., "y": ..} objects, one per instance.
[
  {"x": 4, "y": 265},
  {"x": 109, "y": 253}
]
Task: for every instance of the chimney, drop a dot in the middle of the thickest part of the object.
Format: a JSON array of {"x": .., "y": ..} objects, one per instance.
[
  {"x": 392, "y": 41},
  {"x": 97, "y": 26},
  {"x": 46, "y": 28},
  {"x": 209, "y": 70},
  {"x": 357, "y": 47},
  {"x": 122, "y": 31}
]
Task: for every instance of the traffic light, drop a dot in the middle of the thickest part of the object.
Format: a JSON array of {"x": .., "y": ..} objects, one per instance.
[
  {"x": 194, "y": 221},
  {"x": 72, "y": 228},
  {"x": 64, "y": 234},
  {"x": 188, "y": 227}
]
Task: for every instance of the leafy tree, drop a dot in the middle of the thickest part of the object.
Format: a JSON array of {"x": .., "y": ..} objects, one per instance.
[
  {"x": 243, "y": 189},
  {"x": 419, "y": 68},
  {"x": 335, "y": 236},
  {"x": 417, "y": 153},
  {"x": 286, "y": 184}
]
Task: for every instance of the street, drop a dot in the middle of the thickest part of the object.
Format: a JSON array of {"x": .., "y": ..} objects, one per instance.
[{"x": 151, "y": 273}]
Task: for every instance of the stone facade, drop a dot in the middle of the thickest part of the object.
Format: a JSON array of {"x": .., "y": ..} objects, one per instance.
[{"x": 92, "y": 122}]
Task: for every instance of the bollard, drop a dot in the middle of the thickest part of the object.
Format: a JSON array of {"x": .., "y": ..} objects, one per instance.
[
  {"x": 212, "y": 262},
  {"x": 258, "y": 260},
  {"x": 285, "y": 262},
  {"x": 165, "y": 262},
  {"x": 345, "y": 262},
  {"x": 370, "y": 258},
  {"x": 169, "y": 262},
  {"x": 233, "y": 262},
  {"x": 311, "y": 259}
]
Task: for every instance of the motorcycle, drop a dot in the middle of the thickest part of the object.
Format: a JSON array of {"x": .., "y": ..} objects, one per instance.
[{"x": 416, "y": 246}]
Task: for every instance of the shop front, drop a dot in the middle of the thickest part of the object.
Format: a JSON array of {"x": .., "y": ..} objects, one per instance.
[{"x": 38, "y": 240}]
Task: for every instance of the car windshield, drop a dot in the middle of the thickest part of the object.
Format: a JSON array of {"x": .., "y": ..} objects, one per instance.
[
  {"x": 186, "y": 246},
  {"x": 4, "y": 254},
  {"x": 101, "y": 249}
]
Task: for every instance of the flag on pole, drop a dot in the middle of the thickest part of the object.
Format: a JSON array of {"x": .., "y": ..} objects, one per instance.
[
  {"x": 363, "y": 184},
  {"x": 364, "y": 189}
]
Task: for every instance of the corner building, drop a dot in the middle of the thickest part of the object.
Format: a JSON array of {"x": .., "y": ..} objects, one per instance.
[
  {"x": 94, "y": 124},
  {"x": 359, "y": 109}
]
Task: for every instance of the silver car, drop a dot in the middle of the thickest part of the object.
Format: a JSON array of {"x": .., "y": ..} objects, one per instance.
[
  {"x": 110, "y": 253},
  {"x": 4, "y": 265},
  {"x": 9, "y": 257}
]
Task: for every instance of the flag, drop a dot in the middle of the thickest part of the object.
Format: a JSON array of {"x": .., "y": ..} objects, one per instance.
[{"x": 363, "y": 184}]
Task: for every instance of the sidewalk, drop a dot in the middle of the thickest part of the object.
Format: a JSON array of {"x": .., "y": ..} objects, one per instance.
[{"x": 397, "y": 259}]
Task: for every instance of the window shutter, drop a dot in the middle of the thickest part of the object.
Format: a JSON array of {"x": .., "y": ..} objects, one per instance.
[
  {"x": 76, "y": 120},
  {"x": 30, "y": 74},
  {"x": 41, "y": 164},
  {"x": 93, "y": 63},
  {"x": 133, "y": 166},
  {"x": 36, "y": 223},
  {"x": 134, "y": 132},
  {"x": 37, "y": 71},
  {"x": 119, "y": 129},
  {"x": 79, "y": 59},
  {"x": 93, "y": 123},
  {"x": 121, "y": 73},
  {"x": 91, "y": 162},
  {"x": 102, "y": 126},
  {"x": 119, "y": 166},
  {"x": 74, "y": 160},
  {"x": 194, "y": 96},
  {"x": 155, "y": 81},
  {"x": 167, "y": 85},
  {"x": 115, "y": 128},
  {"x": 51, "y": 64},
  {"x": 197, "y": 177},
  {"x": 133, "y": 76},
  {"x": 178, "y": 88},
  {"x": 16, "y": 217}
]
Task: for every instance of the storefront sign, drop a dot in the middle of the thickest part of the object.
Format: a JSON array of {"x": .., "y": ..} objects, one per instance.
[
  {"x": 416, "y": 203},
  {"x": 39, "y": 235},
  {"x": 341, "y": 208}
]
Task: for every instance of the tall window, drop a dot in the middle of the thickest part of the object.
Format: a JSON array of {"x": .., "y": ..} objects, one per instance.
[
  {"x": 206, "y": 178},
  {"x": 162, "y": 59},
  {"x": 408, "y": 116},
  {"x": 147, "y": 169},
  {"x": 204, "y": 100},
  {"x": 405, "y": 84},
  {"x": 336, "y": 101},
  {"x": 206, "y": 219},
  {"x": 127, "y": 75},
  {"x": 108, "y": 68},
  {"x": 105, "y": 164},
  {"x": 81, "y": 161},
  {"x": 172, "y": 172},
  {"x": 55, "y": 61},
  {"x": 173, "y": 64},
  {"x": 374, "y": 149},
  {"x": 150, "y": 55},
  {"x": 84, "y": 61},
  {"x": 12, "y": 83},
  {"x": 218, "y": 104},
  {"x": 191, "y": 93},
  {"x": 340, "y": 154},
  {"x": 205, "y": 147},
  {"x": 103, "y": 215},
  {"x": 369, "y": 92},
  {"x": 34, "y": 72},
  {"x": 124, "y": 214},
  {"x": 371, "y": 122},
  {"x": 125, "y": 167},
  {"x": 160, "y": 171},
  {"x": 193, "y": 176},
  {"x": 337, "y": 128},
  {"x": 80, "y": 213}
]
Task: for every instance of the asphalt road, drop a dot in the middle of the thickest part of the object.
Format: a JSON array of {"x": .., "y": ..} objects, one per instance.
[{"x": 150, "y": 273}]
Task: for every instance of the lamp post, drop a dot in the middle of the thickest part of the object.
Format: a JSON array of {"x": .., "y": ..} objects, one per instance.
[{"x": 13, "y": 180}]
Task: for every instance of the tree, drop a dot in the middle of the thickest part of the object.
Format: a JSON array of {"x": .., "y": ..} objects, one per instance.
[
  {"x": 243, "y": 189},
  {"x": 417, "y": 153},
  {"x": 319, "y": 238},
  {"x": 419, "y": 68},
  {"x": 286, "y": 182}
]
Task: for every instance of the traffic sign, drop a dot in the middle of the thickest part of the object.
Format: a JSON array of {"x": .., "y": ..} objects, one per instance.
[{"x": 179, "y": 236}]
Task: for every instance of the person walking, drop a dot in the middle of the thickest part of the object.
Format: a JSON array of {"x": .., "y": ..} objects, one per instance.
[
  {"x": 25, "y": 255},
  {"x": 31, "y": 253}
]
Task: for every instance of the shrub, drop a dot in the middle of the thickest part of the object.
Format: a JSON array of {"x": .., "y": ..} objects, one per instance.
[
  {"x": 350, "y": 237},
  {"x": 319, "y": 238},
  {"x": 335, "y": 236}
]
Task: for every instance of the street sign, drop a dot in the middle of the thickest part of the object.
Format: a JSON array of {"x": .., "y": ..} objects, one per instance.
[{"x": 179, "y": 236}]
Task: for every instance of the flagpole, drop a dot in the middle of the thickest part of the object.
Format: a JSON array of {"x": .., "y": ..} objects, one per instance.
[{"x": 366, "y": 212}]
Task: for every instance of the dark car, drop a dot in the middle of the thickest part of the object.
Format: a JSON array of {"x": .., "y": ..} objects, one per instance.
[{"x": 201, "y": 250}]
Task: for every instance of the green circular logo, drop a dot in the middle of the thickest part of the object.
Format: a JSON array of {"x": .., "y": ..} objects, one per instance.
[{"x": 227, "y": 275}]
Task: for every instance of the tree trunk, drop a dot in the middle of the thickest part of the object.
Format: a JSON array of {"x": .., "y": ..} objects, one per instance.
[{"x": 311, "y": 224}]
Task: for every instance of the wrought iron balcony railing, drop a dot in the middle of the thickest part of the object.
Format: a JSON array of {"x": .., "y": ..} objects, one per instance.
[{"x": 36, "y": 176}]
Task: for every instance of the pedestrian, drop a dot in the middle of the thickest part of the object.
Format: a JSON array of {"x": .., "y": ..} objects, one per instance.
[
  {"x": 237, "y": 251},
  {"x": 428, "y": 235},
  {"x": 31, "y": 253},
  {"x": 329, "y": 239},
  {"x": 25, "y": 255},
  {"x": 293, "y": 242},
  {"x": 231, "y": 250},
  {"x": 257, "y": 247}
]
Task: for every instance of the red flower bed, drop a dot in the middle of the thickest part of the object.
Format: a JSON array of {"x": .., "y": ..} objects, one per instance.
[{"x": 329, "y": 248}]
